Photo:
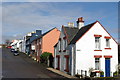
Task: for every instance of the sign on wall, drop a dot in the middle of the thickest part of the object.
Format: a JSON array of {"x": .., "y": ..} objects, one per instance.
[{"x": 33, "y": 47}]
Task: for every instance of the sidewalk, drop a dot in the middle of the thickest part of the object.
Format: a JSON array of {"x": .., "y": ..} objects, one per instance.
[{"x": 61, "y": 73}]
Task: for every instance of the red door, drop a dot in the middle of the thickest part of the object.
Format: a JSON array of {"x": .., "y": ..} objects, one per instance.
[{"x": 58, "y": 57}]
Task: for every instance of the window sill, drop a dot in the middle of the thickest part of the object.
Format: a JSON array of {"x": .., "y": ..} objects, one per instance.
[
  {"x": 97, "y": 50},
  {"x": 108, "y": 48}
]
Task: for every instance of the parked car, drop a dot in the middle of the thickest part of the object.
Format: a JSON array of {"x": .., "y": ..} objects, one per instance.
[
  {"x": 16, "y": 53},
  {"x": 12, "y": 50}
]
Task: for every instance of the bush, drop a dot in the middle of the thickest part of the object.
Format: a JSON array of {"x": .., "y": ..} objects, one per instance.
[
  {"x": 115, "y": 73},
  {"x": 44, "y": 57}
]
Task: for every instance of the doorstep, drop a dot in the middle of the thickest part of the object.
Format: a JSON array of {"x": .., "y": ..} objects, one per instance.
[{"x": 61, "y": 73}]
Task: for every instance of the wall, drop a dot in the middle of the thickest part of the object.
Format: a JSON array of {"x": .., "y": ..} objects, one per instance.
[
  {"x": 85, "y": 50},
  {"x": 49, "y": 40}
]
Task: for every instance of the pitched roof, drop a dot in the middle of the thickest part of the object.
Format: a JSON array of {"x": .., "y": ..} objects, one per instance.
[
  {"x": 70, "y": 32},
  {"x": 81, "y": 32},
  {"x": 45, "y": 33}
]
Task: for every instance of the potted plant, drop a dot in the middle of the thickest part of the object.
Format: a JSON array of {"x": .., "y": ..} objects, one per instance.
[{"x": 101, "y": 74}]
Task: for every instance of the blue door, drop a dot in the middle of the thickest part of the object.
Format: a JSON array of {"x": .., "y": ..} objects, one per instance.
[{"x": 107, "y": 67}]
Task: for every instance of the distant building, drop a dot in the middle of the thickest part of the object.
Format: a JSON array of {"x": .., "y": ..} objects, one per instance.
[{"x": 30, "y": 39}]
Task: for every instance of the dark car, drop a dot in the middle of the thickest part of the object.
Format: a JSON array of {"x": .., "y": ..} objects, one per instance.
[
  {"x": 16, "y": 53},
  {"x": 12, "y": 50}
]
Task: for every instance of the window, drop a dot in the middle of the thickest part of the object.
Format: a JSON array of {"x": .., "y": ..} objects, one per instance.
[
  {"x": 59, "y": 45},
  {"x": 64, "y": 44},
  {"x": 108, "y": 43},
  {"x": 64, "y": 63},
  {"x": 97, "y": 63},
  {"x": 97, "y": 43}
]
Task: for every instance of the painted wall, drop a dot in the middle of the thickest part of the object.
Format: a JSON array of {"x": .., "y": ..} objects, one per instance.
[
  {"x": 49, "y": 40},
  {"x": 61, "y": 52},
  {"x": 85, "y": 50}
]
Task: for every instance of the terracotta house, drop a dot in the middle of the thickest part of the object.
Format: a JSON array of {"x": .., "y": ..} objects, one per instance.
[{"x": 45, "y": 43}]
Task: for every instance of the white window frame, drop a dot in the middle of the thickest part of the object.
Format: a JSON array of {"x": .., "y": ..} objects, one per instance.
[
  {"x": 64, "y": 63},
  {"x": 59, "y": 45},
  {"x": 97, "y": 43},
  {"x": 107, "y": 43},
  {"x": 64, "y": 44},
  {"x": 97, "y": 63}
]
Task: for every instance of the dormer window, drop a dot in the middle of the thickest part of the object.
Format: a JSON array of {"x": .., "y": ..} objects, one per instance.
[
  {"x": 64, "y": 44},
  {"x": 60, "y": 45}
]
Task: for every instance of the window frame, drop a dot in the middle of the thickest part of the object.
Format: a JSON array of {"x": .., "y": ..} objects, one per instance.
[
  {"x": 98, "y": 43},
  {"x": 107, "y": 43},
  {"x": 97, "y": 63}
]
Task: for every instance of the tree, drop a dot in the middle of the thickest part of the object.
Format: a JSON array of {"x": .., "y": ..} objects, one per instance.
[{"x": 7, "y": 42}]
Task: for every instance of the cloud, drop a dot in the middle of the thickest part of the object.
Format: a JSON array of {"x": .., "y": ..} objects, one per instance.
[{"x": 20, "y": 18}]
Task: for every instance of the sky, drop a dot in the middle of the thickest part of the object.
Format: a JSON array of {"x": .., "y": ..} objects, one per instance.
[{"x": 19, "y": 18}]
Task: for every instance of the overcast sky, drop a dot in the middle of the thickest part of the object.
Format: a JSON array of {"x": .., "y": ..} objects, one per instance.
[{"x": 19, "y": 18}]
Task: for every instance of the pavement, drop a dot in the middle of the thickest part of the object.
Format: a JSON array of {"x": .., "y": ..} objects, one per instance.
[{"x": 61, "y": 73}]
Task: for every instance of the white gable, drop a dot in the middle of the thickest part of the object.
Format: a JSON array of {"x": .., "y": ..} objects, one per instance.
[{"x": 85, "y": 47}]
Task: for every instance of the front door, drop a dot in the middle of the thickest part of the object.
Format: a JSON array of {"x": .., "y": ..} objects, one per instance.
[{"x": 107, "y": 67}]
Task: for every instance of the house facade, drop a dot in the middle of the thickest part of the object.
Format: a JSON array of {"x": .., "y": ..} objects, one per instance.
[
  {"x": 45, "y": 43},
  {"x": 62, "y": 57},
  {"x": 92, "y": 47},
  {"x": 30, "y": 41}
]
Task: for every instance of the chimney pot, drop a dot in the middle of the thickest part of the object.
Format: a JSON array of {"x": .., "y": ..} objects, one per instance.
[
  {"x": 80, "y": 19},
  {"x": 80, "y": 22},
  {"x": 70, "y": 24}
]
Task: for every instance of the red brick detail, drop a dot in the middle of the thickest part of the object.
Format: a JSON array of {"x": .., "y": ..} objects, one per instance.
[
  {"x": 97, "y": 56},
  {"x": 67, "y": 56},
  {"x": 97, "y": 35},
  {"x": 58, "y": 56},
  {"x": 107, "y": 56},
  {"x": 67, "y": 63},
  {"x": 108, "y": 48},
  {"x": 98, "y": 71},
  {"x": 97, "y": 50},
  {"x": 107, "y": 37}
]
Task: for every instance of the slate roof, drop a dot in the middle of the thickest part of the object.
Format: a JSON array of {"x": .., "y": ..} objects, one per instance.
[
  {"x": 81, "y": 32},
  {"x": 71, "y": 32}
]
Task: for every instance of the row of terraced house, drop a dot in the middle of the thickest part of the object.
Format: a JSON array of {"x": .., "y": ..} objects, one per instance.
[{"x": 81, "y": 49}]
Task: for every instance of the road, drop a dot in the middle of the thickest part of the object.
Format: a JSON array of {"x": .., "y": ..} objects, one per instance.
[{"x": 23, "y": 67}]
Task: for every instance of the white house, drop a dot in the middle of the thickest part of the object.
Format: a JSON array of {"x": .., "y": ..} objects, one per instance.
[
  {"x": 61, "y": 54},
  {"x": 91, "y": 47}
]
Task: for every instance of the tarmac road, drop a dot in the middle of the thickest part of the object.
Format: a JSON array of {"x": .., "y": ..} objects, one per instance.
[{"x": 23, "y": 67}]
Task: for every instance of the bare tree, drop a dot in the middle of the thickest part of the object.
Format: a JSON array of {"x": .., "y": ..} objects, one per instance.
[{"x": 7, "y": 42}]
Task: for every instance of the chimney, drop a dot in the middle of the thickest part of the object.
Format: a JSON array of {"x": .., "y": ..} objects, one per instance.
[
  {"x": 70, "y": 24},
  {"x": 80, "y": 22}
]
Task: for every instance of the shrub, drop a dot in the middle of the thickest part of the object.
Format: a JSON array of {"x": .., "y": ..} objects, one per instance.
[{"x": 44, "y": 57}]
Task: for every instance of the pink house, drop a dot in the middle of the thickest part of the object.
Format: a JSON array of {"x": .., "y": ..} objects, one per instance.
[{"x": 46, "y": 42}]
